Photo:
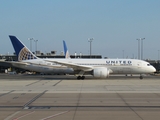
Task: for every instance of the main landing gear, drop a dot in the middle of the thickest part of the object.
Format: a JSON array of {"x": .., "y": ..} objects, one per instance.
[{"x": 81, "y": 77}]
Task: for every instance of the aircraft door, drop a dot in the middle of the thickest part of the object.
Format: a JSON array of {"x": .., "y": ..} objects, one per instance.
[{"x": 139, "y": 64}]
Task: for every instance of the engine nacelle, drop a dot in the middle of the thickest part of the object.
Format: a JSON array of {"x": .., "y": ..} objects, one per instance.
[{"x": 101, "y": 72}]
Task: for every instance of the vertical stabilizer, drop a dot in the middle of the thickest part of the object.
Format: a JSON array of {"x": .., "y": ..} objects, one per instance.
[
  {"x": 22, "y": 52},
  {"x": 66, "y": 52}
]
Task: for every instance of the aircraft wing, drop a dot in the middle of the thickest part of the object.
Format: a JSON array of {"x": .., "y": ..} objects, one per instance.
[
  {"x": 15, "y": 63},
  {"x": 73, "y": 65}
]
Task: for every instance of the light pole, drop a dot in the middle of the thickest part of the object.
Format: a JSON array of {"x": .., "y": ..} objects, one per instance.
[
  {"x": 90, "y": 40},
  {"x": 142, "y": 48},
  {"x": 140, "y": 39},
  {"x": 138, "y": 48},
  {"x": 36, "y": 46},
  {"x": 158, "y": 54},
  {"x": 30, "y": 43}
]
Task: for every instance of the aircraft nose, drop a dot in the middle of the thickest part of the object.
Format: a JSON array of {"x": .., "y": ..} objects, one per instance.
[{"x": 153, "y": 69}]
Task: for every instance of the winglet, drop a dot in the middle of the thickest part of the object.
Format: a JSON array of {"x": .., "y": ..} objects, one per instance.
[
  {"x": 66, "y": 52},
  {"x": 22, "y": 52}
]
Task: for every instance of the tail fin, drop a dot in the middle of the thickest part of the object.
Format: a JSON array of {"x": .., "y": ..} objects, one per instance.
[
  {"x": 66, "y": 52},
  {"x": 22, "y": 52}
]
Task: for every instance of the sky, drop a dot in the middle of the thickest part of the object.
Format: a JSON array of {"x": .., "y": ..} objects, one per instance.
[{"x": 114, "y": 24}]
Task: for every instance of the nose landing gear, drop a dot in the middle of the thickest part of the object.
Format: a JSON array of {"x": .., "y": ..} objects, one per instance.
[{"x": 141, "y": 77}]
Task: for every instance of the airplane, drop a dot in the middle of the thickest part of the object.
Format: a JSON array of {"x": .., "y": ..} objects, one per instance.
[{"x": 98, "y": 68}]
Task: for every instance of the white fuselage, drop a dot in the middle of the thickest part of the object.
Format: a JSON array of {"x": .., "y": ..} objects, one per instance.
[{"x": 115, "y": 66}]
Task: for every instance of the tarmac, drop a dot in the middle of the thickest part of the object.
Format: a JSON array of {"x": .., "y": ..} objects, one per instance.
[{"x": 63, "y": 97}]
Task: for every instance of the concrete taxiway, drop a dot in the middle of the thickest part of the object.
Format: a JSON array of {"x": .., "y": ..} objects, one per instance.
[{"x": 36, "y": 97}]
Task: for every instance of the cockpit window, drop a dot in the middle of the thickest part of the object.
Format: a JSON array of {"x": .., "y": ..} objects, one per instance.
[{"x": 148, "y": 64}]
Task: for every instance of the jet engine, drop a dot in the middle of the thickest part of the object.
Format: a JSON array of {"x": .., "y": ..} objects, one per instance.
[{"x": 101, "y": 72}]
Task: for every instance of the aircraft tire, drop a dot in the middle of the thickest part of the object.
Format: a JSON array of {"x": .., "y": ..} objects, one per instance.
[
  {"x": 79, "y": 77},
  {"x": 83, "y": 77},
  {"x": 141, "y": 77}
]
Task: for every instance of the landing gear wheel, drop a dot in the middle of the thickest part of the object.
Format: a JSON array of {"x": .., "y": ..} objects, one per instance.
[
  {"x": 80, "y": 77},
  {"x": 141, "y": 77},
  {"x": 83, "y": 77}
]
